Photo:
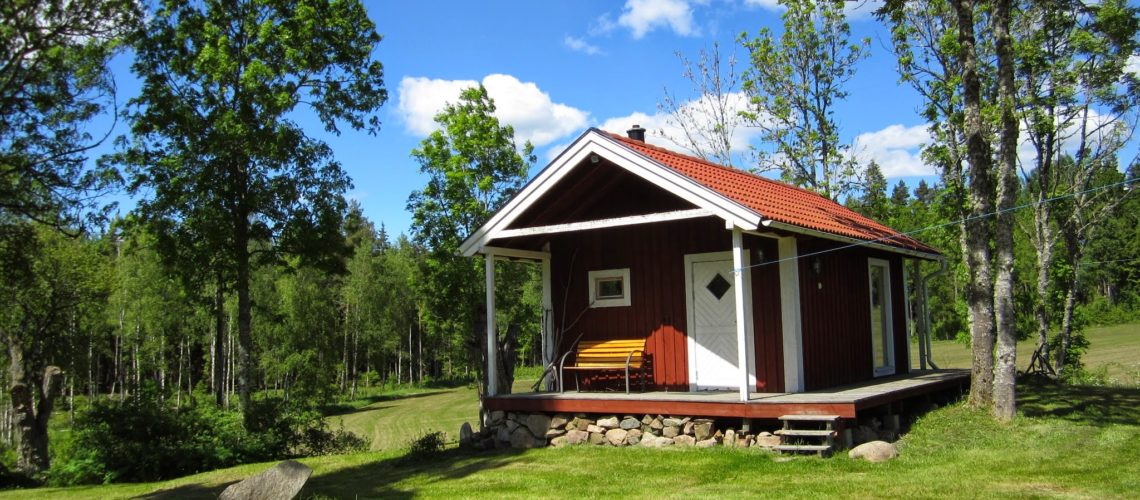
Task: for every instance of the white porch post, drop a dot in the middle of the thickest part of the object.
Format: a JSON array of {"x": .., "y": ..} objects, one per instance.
[
  {"x": 492, "y": 339},
  {"x": 741, "y": 325},
  {"x": 548, "y": 346},
  {"x": 790, "y": 315}
]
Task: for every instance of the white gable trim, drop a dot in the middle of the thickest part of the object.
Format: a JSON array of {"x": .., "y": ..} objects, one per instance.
[
  {"x": 595, "y": 142},
  {"x": 605, "y": 223}
]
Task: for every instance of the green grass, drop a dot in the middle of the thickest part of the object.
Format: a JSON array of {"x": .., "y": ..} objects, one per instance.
[
  {"x": 1069, "y": 442},
  {"x": 1114, "y": 349},
  {"x": 390, "y": 420},
  {"x": 1079, "y": 442}
]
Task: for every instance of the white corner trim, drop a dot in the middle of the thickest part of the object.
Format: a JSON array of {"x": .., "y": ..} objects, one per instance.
[
  {"x": 888, "y": 312},
  {"x": 909, "y": 305},
  {"x": 740, "y": 271},
  {"x": 492, "y": 338},
  {"x": 790, "y": 315},
  {"x": 595, "y": 142}
]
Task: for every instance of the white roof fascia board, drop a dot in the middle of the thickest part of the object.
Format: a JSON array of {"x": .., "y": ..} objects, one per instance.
[
  {"x": 526, "y": 196},
  {"x": 847, "y": 239},
  {"x": 594, "y": 142},
  {"x": 681, "y": 185}
]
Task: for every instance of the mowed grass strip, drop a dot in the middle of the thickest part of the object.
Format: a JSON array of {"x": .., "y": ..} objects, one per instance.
[
  {"x": 1115, "y": 349},
  {"x": 390, "y": 421},
  {"x": 1069, "y": 442}
]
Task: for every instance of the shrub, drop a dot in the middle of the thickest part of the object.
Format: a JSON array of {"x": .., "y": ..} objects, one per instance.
[
  {"x": 425, "y": 447},
  {"x": 143, "y": 439},
  {"x": 1100, "y": 311}
]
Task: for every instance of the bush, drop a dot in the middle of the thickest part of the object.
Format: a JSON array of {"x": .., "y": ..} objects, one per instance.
[
  {"x": 1100, "y": 311},
  {"x": 143, "y": 439},
  {"x": 425, "y": 447}
]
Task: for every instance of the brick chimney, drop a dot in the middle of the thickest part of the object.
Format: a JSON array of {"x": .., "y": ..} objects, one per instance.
[{"x": 636, "y": 133}]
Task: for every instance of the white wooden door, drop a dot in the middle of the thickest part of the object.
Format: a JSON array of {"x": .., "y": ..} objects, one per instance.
[{"x": 712, "y": 307}]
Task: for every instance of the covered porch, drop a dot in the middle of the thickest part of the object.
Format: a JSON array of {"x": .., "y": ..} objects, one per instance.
[{"x": 847, "y": 402}]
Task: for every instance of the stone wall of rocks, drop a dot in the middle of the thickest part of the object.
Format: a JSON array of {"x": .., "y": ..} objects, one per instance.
[{"x": 534, "y": 430}]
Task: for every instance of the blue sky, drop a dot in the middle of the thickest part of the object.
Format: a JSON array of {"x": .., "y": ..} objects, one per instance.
[{"x": 557, "y": 68}]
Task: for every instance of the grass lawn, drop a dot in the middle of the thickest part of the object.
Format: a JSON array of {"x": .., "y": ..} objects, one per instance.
[
  {"x": 1081, "y": 442},
  {"x": 1115, "y": 349}
]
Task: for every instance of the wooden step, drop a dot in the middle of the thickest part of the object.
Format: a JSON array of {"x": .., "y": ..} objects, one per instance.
[
  {"x": 808, "y": 433},
  {"x": 810, "y": 418},
  {"x": 804, "y": 447}
]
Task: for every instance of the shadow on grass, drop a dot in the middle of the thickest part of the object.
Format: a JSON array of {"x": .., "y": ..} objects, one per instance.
[
  {"x": 1081, "y": 404},
  {"x": 335, "y": 410},
  {"x": 380, "y": 478},
  {"x": 189, "y": 491}
]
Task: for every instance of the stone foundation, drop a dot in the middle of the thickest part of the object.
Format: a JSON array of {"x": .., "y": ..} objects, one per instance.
[{"x": 536, "y": 430}]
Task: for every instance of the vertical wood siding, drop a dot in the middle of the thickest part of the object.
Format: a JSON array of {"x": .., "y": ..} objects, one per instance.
[
  {"x": 837, "y": 318},
  {"x": 766, "y": 315},
  {"x": 655, "y": 255}
]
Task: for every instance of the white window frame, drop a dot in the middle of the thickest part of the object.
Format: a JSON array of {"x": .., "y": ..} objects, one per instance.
[
  {"x": 888, "y": 319},
  {"x": 592, "y": 280}
]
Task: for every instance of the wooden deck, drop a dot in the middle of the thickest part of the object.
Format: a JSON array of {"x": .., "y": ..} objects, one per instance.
[{"x": 844, "y": 401}]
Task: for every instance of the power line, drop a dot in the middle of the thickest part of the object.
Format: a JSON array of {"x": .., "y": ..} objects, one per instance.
[{"x": 995, "y": 213}]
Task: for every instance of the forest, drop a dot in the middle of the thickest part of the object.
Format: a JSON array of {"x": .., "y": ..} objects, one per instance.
[{"x": 245, "y": 293}]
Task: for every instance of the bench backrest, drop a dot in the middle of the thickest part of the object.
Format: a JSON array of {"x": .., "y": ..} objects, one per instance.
[{"x": 608, "y": 353}]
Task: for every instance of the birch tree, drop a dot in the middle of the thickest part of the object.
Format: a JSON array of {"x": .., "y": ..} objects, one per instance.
[{"x": 793, "y": 83}]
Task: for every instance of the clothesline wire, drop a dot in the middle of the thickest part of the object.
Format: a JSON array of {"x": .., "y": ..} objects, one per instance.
[{"x": 896, "y": 236}]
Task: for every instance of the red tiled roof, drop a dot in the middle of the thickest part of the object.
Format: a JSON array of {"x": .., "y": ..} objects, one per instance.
[{"x": 776, "y": 200}]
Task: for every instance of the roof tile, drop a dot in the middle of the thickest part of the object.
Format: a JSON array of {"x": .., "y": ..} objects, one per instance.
[{"x": 776, "y": 200}]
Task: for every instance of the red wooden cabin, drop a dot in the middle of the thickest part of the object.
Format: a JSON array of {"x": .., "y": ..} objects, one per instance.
[{"x": 737, "y": 282}]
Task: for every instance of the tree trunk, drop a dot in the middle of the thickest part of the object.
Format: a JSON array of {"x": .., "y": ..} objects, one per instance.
[
  {"x": 979, "y": 233},
  {"x": 218, "y": 376},
  {"x": 1005, "y": 370},
  {"x": 507, "y": 359},
  {"x": 245, "y": 332},
  {"x": 31, "y": 419}
]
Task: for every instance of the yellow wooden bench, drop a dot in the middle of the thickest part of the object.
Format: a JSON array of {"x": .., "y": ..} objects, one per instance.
[{"x": 606, "y": 355}]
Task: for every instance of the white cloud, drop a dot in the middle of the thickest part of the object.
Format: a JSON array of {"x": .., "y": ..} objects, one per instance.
[
  {"x": 580, "y": 45},
  {"x": 1133, "y": 65},
  {"x": 423, "y": 98},
  {"x": 603, "y": 25},
  {"x": 862, "y": 9},
  {"x": 522, "y": 105},
  {"x": 896, "y": 149},
  {"x": 662, "y": 130},
  {"x": 765, "y": 4},
  {"x": 855, "y": 10},
  {"x": 643, "y": 16}
]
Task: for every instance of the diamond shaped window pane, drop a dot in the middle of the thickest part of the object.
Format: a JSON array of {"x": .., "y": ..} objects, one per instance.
[{"x": 718, "y": 286}]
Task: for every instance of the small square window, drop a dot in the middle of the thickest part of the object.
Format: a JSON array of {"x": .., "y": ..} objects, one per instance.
[{"x": 609, "y": 288}]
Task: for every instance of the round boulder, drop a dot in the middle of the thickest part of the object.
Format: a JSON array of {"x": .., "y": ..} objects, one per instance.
[{"x": 874, "y": 451}]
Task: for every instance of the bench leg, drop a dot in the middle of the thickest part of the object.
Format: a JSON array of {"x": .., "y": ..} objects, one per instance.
[{"x": 627, "y": 379}]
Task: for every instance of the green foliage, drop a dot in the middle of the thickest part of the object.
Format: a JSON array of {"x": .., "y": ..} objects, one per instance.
[
  {"x": 1078, "y": 345},
  {"x": 425, "y": 447},
  {"x": 794, "y": 83},
  {"x": 55, "y": 82},
  {"x": 473, "y": 166},
  {"x": 143, "y": 439},
  {"x": 224, "y": 165},
  {"x": 1100, "y": 311}
]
